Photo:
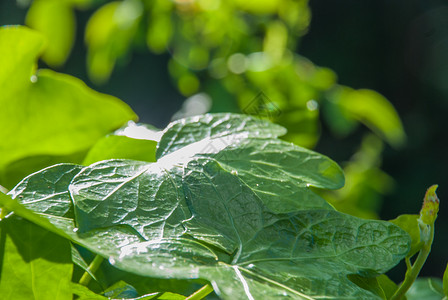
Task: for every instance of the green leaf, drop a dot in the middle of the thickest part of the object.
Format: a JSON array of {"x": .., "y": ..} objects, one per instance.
[
  {"x": 409, "y": 223},
  {"x": 56, "y": 20},
  {"x": 199, "y": 213},
  {"x": 371, "y": 109},
  {"x": 84, "y": 293},
  {"x": 44, "y": 109},
  {"x": 109, "y": 34},
  {"x": 121, "y": 290},
  {"x": 425, "y": 288},
  {"x": 445, "y": 281},
  {"x": 35, "y": 263},
  {"x": 381, "y": 285},
  {"x": 115, "y": 146},
  {"x": 183, "y": 132}
]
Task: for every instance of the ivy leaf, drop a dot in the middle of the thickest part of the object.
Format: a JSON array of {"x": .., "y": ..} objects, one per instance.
[
  {"x": 196, "y": 214},
  {"x": 35, "y": 120},
  {"x": 35, "y": 263}
]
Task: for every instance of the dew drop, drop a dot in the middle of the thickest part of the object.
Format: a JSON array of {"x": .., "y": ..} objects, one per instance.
[
  {"x": 112, "y": 261},
  {"x": 33, "y": 78},
  {"x": 250, "y": 266},
  {"x": 75, "y": 230},
  {"x": 234, "y": 172}
]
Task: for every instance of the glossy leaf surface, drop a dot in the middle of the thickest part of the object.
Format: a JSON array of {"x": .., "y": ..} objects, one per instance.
[{"x": 226, "y": 202}]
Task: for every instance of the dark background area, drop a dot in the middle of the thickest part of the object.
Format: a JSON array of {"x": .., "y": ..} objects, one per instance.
[{"x": 398, "y": 48}]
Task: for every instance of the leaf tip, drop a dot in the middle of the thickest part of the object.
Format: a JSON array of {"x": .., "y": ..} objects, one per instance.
[{"x": 430, "y": 208}]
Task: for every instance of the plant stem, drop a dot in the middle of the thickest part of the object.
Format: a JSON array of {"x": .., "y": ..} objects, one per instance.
[
  {"x": 94, "y": 265},
  {"x": 201, "y": 293},
  {"x": 412, "y": 273}
]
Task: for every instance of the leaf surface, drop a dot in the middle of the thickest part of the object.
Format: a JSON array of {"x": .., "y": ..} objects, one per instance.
[{"x": 196, "y": 213}]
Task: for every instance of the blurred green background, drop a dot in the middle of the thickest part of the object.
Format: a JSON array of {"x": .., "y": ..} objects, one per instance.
[{"x": 290, "y": 61}]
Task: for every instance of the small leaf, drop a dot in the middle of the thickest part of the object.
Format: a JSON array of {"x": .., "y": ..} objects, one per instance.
[
  {"x": 425, "y": 288},
  {"x": 409, "y": 223},
  {"x": 430, "y": 208},
  {"x": 121, "y": 290}
]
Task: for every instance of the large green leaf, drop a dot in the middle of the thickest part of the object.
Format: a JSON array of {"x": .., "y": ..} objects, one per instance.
[
  {"x": 34, "y": 263},
  {"x": 44, "y": 112},
  {"x": 199, "y": 212}
]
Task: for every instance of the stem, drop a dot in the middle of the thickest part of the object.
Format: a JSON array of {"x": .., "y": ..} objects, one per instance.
[
  {"x": 201, "y": 293},
  {"x": 94, "y": 265},
  {"x": 408, "y": 264},
  {"x": 412, "y": 273}
]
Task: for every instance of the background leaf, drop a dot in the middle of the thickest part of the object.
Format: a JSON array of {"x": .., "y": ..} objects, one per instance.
[
  {"x": 55, "y": 20},
  {"x": 47, "y": 113}
]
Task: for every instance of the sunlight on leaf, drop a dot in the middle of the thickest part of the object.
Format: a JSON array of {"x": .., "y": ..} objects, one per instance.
[{"x": 201, "y": 212}]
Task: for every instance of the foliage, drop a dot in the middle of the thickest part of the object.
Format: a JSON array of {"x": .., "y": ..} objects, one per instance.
[
  {"x": 250, "y": 65},
  {"x": 253, "y": 53},
  {"x": 46, "y": 114},
  {"x": 202, "y": 211},
  {"x": 220, "y": 201}
]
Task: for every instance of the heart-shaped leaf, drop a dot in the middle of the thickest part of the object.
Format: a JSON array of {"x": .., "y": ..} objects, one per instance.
[{"x": 227, "y": 204}]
